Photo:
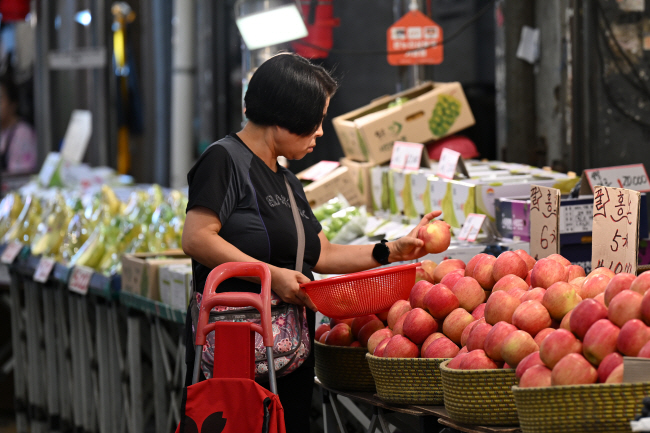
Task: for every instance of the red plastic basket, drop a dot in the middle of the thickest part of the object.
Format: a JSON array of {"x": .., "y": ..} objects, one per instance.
[{"x": 361, "y": 293}]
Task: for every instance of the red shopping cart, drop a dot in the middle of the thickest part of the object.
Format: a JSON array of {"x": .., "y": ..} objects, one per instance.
[{"x": 232, "y": 401}]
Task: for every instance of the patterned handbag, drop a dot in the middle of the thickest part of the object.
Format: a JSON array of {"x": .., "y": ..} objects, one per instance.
[{"x": 291, "y": 345}]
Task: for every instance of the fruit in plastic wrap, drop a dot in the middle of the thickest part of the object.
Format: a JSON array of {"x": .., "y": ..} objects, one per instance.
[
  {"x": 444, "y": 115},
  {"x": 24, "y": 227},
  {"x": 76, "y": 235},
  {"x": 92, "y": 251},
  {"x": 10, "y": 208},
  {"x": 51, "y": 231}
]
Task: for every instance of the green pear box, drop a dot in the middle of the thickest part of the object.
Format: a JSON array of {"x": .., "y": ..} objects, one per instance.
[
  {"x": 478, "y": 195},
  {"x": 140, "y": 271},
  {"x": 379, "y": 188},
  {"x": 426, "y": 112}
]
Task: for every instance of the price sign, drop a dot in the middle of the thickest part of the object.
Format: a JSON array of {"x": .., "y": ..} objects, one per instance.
[
  {"x": 471, "y": 227},
  {"x": 11, "y": 251},
  {"x": 632, "y": 177},
  {"x": 43, "y": 270},
  {"x": 450, "y": 162},
  {"x": 544, "y": 221},
  {"x": 615, "y": 231},
  {"x": 77, "y": 136},
  {"x": 406, "y": 156},
  {"x": 80, "y": 279}
]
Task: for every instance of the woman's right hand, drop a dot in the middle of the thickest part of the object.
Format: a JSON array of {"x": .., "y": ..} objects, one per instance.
[{"x": 286, "y": 284}]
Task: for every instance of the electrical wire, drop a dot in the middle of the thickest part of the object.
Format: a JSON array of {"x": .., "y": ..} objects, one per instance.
[
  {"x": 445, "y": 41},
  {"x": 633, "y": 79},
  {"x": 608, "y": 92}
]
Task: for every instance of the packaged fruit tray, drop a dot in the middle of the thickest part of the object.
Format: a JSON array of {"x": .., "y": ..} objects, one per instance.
[
  {"x": 343, "y": 368},
  {"x": 603, "y": 408},
  {"x": 407, "y": 380},
  {"x": 362, "y": 293},
  {"x": 482, "y": 397}
]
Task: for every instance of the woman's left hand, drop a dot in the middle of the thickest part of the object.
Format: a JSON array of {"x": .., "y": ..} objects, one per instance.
[{"x": 410, "y": 247}]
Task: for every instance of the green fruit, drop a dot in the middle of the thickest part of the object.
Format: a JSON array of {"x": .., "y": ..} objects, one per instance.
[{"x": 444, "y": 115}]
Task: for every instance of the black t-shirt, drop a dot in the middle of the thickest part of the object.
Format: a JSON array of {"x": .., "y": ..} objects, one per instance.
[{"x": 252, "y": 204}]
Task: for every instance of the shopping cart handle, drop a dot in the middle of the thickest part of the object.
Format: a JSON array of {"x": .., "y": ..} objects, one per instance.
[{"x": 261, "y": 301}]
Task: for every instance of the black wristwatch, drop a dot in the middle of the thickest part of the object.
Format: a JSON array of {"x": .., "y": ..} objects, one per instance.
[{"x": 381, "y": 252}]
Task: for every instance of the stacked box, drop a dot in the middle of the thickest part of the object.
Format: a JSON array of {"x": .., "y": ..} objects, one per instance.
[
  {"x": 140, "y": 271},
  {"x": 426, "y": 112}
]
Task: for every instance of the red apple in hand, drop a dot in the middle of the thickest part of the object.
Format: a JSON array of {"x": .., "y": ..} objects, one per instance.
[{"x": 436, "y": 236}]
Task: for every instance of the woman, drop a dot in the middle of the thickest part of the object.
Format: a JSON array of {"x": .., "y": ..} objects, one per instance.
[
  {"x": 17, "y": 138},
  {"x": 238, "y": 209}
]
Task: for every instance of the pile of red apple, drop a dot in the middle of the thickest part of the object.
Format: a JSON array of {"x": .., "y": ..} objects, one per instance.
[{"x": 546, "y": 318}]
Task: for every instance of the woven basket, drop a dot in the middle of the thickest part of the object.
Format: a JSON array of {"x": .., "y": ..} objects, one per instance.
[
  {"x": 601, "y": 408},
  {"x": 343, "y": 368},
  {"x": 642, "y": 268},
  {"x": 482, "y": 397},
  {"x": 407, "y": 380}
]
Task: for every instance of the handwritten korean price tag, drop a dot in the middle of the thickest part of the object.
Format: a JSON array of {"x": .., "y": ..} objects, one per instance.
[
  {"x": 80, "y": 279},
  {"x": 11, "y": 251},
  {"x": 471, "y": 227},
  {"x": 615, "y": 235},
  {"x": 544, "y": 221},
  {"x": 632, "y": 177},
  {"x": 406, "y": 156},
  {"x": 43, "y": 270}
]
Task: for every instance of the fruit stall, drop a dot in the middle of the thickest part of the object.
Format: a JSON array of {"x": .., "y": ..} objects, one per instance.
[{"x": 477, "y": 336}]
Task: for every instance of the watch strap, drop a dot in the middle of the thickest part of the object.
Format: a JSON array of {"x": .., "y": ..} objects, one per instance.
[{"x": 381, "y": 252}]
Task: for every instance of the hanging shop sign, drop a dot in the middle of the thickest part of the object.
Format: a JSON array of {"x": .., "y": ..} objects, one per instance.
[{"x": 414, "y": 40}]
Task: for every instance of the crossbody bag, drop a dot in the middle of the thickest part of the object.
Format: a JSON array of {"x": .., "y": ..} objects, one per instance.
[{"x": 291, "y": 345}]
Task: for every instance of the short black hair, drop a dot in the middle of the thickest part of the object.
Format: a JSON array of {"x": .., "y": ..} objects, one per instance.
[{"x": 289, "y": 91}]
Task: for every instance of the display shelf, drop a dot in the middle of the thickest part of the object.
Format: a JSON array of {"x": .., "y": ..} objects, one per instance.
[{"x": 156, "y": 308}]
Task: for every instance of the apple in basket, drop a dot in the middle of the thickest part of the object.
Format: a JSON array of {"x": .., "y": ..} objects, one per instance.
[
  {"x": 436, "y": 236},
  {"x": 608, "y": 364},
  {"x": 340, "y": 335},
  {"x": 557, "y": 345},
  {"x": 530, "y": 260},
  {"x": 625, "y": 306},
  {"x": 633, "y": 336},
  {"x": 537, "y": 376},
  {"x": 560, "y": 298},
  {"x": 477, "y": 360},
  {"x": 529, "y": 361},
  {"x": 323, "y": 328},
  {"x": 616, "y": 285},
  {"x": 641, "y": 284},
  {"x": 508, "y": 282},
  {"x": 509, "y": 263},
  {"x": 573, "y": 369},
  {"x": 400, "y": 347},
  {"x": 600, "y": 340},
  {"x": 378, "y": 337},
  {"x": 546, "y": 272},
  {"x": 585, "y": 314}
]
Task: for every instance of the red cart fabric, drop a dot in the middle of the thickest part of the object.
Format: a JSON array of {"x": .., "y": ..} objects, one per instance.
[{"x": 230, "y": 406}]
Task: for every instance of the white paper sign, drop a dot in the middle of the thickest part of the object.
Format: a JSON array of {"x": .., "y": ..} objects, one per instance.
[
  {"x": 11, "y": 251},
  {"x": 447, "y": 164},
  {"x": 471, "y": 227},
  {"x": 80, "y": 279},
  {"x": 50, "y": 166},
  {"x": 632, "y": 177},
  {"x": 319, "y": 170},
  {"x": 406, "y": 156},
  {"x": 43, "y": 270},
  {"x": 77, "y": 136}
]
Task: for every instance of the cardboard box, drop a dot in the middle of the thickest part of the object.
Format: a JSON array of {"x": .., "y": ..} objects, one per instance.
[
  {"x": 140, "y": 271},
  {"x": 432, "y": 111},
  {"x": 361, "y": 172},
  {"x": 339, "y": 181},
  {"x": 576, "y": 218},
  {"x": 477, "y": 196}
]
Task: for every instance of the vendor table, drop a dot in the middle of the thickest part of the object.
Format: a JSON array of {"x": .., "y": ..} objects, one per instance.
[
  {"x": 103, "y": 361},
  {"x": 408, "y": 418}
]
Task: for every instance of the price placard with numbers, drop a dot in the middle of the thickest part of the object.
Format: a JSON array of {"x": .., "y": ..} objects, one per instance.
[
  {"x": 407, "y": 156},
  {"x": 544, "y": 221},
  {"x": 43, "y": 270},
  {"x": 633, "y": 177},
  {"x": 471, "y": 227},
  {"x": 80, "y": 279},
  {"x": 12, "y": 249},
  {"x": 615, "y": 232}
]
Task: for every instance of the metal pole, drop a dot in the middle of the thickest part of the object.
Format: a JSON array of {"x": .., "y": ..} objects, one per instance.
[{"x": 184, "y": 62}]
